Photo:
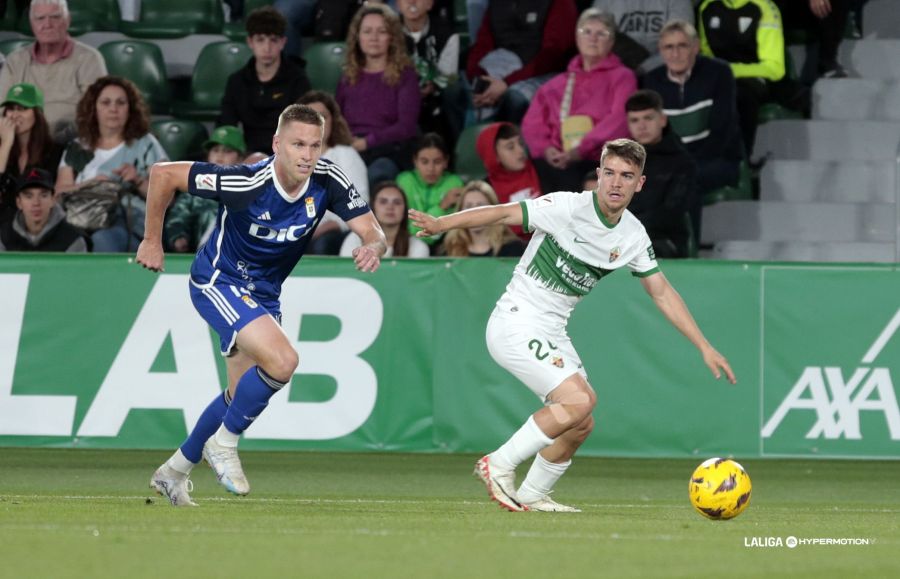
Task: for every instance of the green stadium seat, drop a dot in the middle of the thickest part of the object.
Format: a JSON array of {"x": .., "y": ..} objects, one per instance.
[
  {"x": 692, "y": 249},
  {"x": 460, "y": 16},
  {"x": 235, "y": 30},
  {"x": 468, "y": 165},
  {"x": 176, "y": 19},
  {"x": 93, "y": 15},
  {"x": 214, "y": 65},
  {"x": 742, "y": 191},
  {"x": 142, "y": 63},
  {"x": 181, "y": 138},
  {"x": 325, "y": 64},
  {"x": 10, "y": 44}
]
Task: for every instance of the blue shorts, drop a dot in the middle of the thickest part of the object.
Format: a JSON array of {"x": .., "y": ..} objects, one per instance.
[{"x": 228, "y": 308}]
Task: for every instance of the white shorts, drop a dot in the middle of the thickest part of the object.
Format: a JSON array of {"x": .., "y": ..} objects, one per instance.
[{"x": 540, "y": 357}]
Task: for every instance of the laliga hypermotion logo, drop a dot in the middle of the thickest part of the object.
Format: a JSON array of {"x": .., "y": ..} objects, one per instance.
[{"x": 837, "y": 402}]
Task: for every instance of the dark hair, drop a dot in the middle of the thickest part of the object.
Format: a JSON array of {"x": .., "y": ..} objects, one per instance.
[
  {"x": 266, "y": 20},
  {"x": 401, "y": 241},
  {"x": 301, "y": 114},
  {"x": 137, "y": 125},
  {"x": 431, "y": 141},
  {"x": 340, "y": 131},
  {"x": 644, "y": 99},
  {"x": 507, "y": 131},
  {"x": 626, "y": 149},
  {"x": 40, "y": 142}
]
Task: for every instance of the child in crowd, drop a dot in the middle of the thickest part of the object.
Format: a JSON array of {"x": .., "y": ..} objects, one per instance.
[
  {"x": 509, "y": 169},
  {"x": 429, "y": 187},
  {"x": 191, "y": 219}
]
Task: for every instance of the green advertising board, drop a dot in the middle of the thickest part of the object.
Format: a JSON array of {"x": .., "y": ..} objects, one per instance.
[{"x": 96, "y": 352}]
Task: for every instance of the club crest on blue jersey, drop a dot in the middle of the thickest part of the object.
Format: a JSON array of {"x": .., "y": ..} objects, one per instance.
[{"x": 310, "y": 207}]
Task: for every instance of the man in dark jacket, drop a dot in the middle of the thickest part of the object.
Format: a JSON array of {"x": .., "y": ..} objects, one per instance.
[
  {"x": 699, "y": 99},
  {"x": 39, "y": 224},
  {"x": 662, "y": 204},
  {"x": 256, "y": 94}
]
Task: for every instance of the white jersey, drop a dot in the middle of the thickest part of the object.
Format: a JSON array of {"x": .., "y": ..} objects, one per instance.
[{"x": 573, "y": 247}]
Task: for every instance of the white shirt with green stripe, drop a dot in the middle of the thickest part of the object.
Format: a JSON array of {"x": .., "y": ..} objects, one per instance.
[{"x": 573, "y": 248}]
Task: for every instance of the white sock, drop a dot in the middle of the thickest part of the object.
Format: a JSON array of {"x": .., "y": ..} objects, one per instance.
[
  {"x": 542, "y": 475},
  {"x": 227, "y": 438},
  {"x": 524, "y": 444},
  {"x": 180, "y": 462}
]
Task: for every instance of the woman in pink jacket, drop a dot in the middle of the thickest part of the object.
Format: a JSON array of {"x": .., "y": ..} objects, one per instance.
[{"x": 575, "y": 113}]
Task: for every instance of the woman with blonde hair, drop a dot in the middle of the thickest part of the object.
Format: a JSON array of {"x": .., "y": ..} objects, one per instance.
[
  {"x": 489, "y": 241},
  {"x": 379, "y": 92}
]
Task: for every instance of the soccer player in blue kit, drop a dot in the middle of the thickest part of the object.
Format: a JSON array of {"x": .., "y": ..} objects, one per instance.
[{"x": 267, "y": 214}]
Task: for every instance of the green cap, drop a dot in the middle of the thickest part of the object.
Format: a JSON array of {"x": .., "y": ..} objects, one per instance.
[
  {"x": 27, "y": 95},
  {"x": 227, "y": 135}
]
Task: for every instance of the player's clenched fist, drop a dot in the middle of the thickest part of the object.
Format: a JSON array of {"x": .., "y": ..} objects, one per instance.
[
  {"x": 366, "y": 258},
  {"x": 150, "y": 255}
]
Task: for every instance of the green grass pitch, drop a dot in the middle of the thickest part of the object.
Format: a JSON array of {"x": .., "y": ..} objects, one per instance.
[{"x": 89, "y": 514}]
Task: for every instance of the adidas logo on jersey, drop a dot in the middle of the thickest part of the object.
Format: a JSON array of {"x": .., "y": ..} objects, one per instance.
[{"x": 265, "y": 216}]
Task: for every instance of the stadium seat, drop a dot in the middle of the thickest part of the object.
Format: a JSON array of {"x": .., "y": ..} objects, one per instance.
[
  {"x": 742, "y": 191},
  {"x": 142, "y": 63},
  {"x": 93, "y": 15},
  {"x": 468, "y": 165},
  {"x": 324, "y": 64},
  {"x": 176, "y": 19},
  {"x": 10, "y": 44},
  {"x": 215, "y": 63},
  {"x": 235, "y": 30},
  {"x": 182, "y": 139},
  {"x": 460, "y": 16}
]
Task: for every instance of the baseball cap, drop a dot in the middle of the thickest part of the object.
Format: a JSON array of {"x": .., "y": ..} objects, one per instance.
[
  {"x": 36, "y": 178},
  {"x": 227, "y": 135},
  {"x": 25, "y": 94}
]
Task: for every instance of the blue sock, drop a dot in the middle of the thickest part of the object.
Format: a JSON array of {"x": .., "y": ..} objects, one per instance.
[
  {"x": 206, "y": 426},
  {"x": 251, "y": 397}
]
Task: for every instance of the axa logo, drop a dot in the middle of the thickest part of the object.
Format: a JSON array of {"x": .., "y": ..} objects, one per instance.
[
  {"x": 838, "y": 401},
  {"x": 292, "y": 233}
]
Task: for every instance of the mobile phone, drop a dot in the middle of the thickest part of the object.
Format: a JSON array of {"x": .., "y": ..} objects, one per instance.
[{"x": 480, "y": 85}]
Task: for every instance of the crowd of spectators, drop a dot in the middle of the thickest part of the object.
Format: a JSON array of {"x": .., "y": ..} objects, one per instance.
[{"x": 546, "y": 82}]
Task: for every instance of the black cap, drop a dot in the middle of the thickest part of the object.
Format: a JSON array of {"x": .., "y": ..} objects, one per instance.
[{"x": 36, "y": 178}]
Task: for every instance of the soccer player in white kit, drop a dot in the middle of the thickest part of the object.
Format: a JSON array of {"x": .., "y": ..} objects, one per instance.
[{"x": 578, "y": 239}]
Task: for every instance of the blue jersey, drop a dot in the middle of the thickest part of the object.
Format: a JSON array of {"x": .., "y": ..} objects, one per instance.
[{"x": 261, "y": 233}]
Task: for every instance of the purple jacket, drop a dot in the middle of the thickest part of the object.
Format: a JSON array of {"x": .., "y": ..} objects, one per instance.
[
  {"x": 599, "y": 93},
  {"x": 378, "y": 112}
]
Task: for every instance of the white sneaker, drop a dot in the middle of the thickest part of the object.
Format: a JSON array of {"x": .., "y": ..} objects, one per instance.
[
  {"x": 225, "y": 462},
  {"x": 500, "y": 487},
  {"x": 547, "y": 505},
  {"x": 173, "y": 485}
]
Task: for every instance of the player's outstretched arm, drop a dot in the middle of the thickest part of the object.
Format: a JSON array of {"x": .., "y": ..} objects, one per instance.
[
  {"x": 673, "y": 307},
  {"x": 165, "y": 180},
  {"x": 368, "y": 255},
  {"x": 507, "y": 214}
]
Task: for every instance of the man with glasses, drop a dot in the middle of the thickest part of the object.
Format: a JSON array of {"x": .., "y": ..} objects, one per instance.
[
  {"x": 698, "y": 96},
  {"x": 60, "y": 66}
]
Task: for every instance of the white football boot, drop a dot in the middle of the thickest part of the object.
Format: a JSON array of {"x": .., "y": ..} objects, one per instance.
[
  {"x": 173, "y": 485},
  {"x": 500, "y": 486},
  {"x": 547, "y": 505},
  {"x": 227, "y": 466}
]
